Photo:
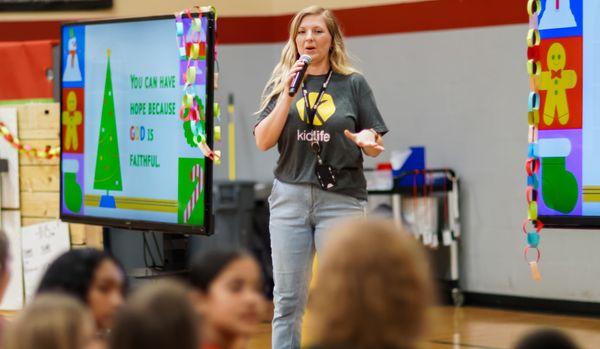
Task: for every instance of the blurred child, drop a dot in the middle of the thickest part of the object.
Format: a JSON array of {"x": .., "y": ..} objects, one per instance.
[
  {"x": 94, "y": 277},
  {"x": 158, "y": 316},
  {"x": 228, "y": 292},
  {"x": 373, "y": 288},
  {"x": 546, "y": 339},
  {"x": 52, "y": 321}
]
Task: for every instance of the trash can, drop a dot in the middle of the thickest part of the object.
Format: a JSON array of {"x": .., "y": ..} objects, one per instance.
[{"x": 233, "y": 205}]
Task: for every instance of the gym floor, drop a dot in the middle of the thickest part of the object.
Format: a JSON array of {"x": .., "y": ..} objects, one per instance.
[{"x": 482, "y": 328}]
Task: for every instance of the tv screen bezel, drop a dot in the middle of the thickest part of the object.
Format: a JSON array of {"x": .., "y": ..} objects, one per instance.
[
  {"x": 207, "y": 228},
  {"x": 570, "y": 222}
]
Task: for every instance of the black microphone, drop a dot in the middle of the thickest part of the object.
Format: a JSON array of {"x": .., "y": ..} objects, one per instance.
[{"x": 299, "y": 75}]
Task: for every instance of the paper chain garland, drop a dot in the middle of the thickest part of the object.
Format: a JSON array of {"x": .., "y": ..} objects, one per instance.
[
  {"x": 532, "y": 225},
  {"x": 192, "y": 49},
  {"x": 47, "y": 153}
]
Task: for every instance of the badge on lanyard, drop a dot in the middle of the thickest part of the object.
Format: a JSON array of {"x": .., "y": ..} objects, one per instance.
[{"x": 324, "y": 172}]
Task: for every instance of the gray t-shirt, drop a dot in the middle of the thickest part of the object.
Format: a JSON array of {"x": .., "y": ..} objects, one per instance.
[{"x": 348, "y": 103}]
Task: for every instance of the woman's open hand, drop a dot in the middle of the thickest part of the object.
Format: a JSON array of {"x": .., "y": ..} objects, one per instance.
[{"x": 367, "y": 140}]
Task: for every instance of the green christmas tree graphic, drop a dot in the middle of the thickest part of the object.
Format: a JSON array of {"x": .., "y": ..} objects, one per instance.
[{"x": 108, "y": 168}]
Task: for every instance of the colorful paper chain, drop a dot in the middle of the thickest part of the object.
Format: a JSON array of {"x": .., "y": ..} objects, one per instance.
[
  {"x": 532, "y": 225},
  {"x": 190, "y": 50},
  {"x": 48, "y": 152}
]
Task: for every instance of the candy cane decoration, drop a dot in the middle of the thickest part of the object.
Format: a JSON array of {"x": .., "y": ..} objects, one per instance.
[{"x": 198, "y": 175}]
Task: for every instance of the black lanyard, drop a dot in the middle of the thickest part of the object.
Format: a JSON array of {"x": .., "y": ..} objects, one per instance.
[{"x": 311, "y": 112}]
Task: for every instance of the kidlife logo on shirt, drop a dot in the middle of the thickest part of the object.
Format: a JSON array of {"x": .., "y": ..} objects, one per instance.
[
  {"x": 325, "y": 110},
  {"x": 313, "y": 136}
]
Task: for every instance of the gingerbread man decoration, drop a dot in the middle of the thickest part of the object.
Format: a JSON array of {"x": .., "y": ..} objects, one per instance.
[
  {"x": 71, "y": 118},
  {"x": 556, "y": 81}
]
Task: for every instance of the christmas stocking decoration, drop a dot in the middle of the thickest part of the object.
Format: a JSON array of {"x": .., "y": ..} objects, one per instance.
[
  {"x": 72, "y": 190},
  {"x": 559, "y": 186},
  {"x": 73, "y": 193},
  {"x": 560, "y": 189}
]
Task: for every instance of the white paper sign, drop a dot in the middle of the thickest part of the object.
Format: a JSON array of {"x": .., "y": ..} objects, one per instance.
[
  {"x": 42, "y": 244},
  {"x": 13, "y": 296},
  {"x": 9, "y": 184}
]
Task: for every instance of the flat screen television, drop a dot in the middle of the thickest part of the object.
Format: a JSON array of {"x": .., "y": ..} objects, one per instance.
[
  {"x": 128, "y": 157},
  {"x": 568, "y": 182}
]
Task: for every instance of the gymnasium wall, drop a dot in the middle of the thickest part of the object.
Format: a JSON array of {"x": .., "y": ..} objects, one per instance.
[
  {"x": 462, "y": 93},
  {"x": 452, "y": 80}
]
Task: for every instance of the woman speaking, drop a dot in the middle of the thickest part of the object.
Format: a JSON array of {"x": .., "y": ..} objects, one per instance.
[{"x": 321, "y": 132}]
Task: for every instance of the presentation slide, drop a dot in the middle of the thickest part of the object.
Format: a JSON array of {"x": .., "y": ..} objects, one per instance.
[
  {"x": 126, "y": 152},
  {"x": 569, "y": 125}
]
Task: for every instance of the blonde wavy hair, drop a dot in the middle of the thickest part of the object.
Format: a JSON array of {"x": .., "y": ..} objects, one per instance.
[
  {"x": 338, "y": 57},
  {"x": 373, "y": 288}
]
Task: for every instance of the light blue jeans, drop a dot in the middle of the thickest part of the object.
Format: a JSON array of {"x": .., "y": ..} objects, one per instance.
[{"x": 301, "y": 215}]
